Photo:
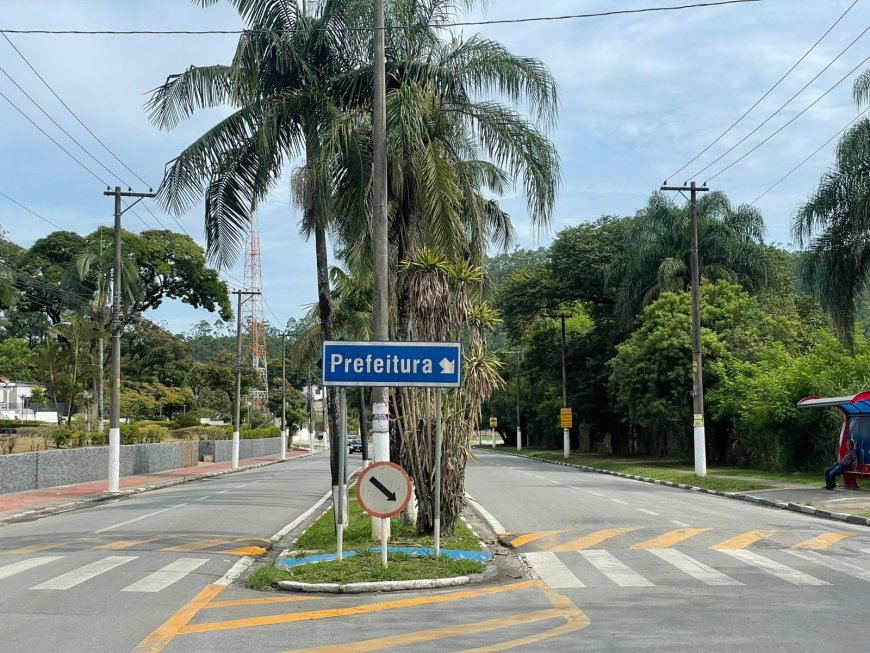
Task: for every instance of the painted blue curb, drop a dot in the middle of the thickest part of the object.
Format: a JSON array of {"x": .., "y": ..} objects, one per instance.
[{"x": 479, "y": 556}]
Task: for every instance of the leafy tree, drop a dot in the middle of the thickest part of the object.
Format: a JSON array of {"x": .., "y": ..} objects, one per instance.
[
  {"x": 152, "y": 354},
  {"x": 17, "y": 360},
  {"x": 651, "y": 373},
  {"x": 501, "y": 267}
]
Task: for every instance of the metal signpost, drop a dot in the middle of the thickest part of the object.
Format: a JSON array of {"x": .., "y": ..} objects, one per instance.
[
  {"x": 493, "y": 425},
  {"x": 355, "y": 363},
  {"x": 383, "y": 490}
]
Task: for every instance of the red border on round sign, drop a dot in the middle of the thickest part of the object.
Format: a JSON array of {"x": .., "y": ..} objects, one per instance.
[{"x": 364, "y": 475}]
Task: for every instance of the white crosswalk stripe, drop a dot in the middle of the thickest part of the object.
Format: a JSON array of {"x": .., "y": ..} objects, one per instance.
[
  {"x": 619, "y": 573},
  {"x": 551, "y": 570},
  {"x": 163, "y": 578},
  {"x": 832, "y": 563},
  {"x": 24, "y": 565},
  {"x": 777, "y": 569},
  {"x": 82, "y": 574},
  {"x": 694, "y": 568}
]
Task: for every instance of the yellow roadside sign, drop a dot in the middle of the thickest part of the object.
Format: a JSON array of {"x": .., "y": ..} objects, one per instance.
[
  {"x": 493, "y": 422},
  {"x": 566, "y": 418}
]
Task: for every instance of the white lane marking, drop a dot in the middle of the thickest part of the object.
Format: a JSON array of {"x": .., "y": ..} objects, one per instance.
[
  {"x": 619, "y": 573},
  {"x": 242, "y": 485},
  {"x": 680, "y": 523},
  {"x": 832, "y": 563},
  {"x": 595, "y": 494},
  {"x": 555, "y": 482},
  {"x": 223, "y": 491},
  {"x": 694, "y": 568},
  {"x": 80, "y": 575},
  {"x": 202, "y": 498},
  {"x": 623, "y": 503},
  {"x": 787, "y": 574},
  {"x": 163, "y": 578},
  {"x": 649, "y": 512},
  {"x": 24, "y": 565},
  {"x": 135, "y": 519},
  {"x": 551, "y": 570}
]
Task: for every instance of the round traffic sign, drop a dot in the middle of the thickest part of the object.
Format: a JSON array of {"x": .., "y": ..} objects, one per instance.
[{"x": 383, "y": 489}]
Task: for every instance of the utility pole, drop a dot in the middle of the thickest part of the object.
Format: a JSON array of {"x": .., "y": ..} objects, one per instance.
[
  {"x": 566, "y": 432},
  {"x": 283, "y": 395},
  {"x": 237, "y": 411},
  {"x": 519, "y": 429},
  {"x": 697, "y": 367},
  {"x": 380, "y": 246},
  {"x": 114, "y": 476}
]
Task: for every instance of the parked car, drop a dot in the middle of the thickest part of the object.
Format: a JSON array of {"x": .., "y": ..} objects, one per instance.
[{"x": 354, "y": 445}]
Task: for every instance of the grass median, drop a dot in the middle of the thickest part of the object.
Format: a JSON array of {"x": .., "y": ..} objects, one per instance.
[
  {"x": 723, "y": 479},
  {"x": 366, "y": 567}
]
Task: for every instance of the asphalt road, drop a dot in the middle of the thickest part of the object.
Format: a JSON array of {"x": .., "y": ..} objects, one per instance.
[
  {"x": 620, "y": 566},
  {"x": 662, "y": 569},
  {"x": 103, "y": 578}
]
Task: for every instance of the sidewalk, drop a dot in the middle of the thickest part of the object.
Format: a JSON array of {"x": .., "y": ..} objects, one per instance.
[{"x": 45, "y": 501}]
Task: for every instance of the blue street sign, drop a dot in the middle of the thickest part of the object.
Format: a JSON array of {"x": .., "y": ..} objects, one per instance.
[{"x": 392, "y": 364}]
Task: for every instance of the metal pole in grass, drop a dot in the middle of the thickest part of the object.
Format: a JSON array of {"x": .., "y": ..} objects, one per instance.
[
  {"x": 384, "y": 542},
  {"x": 339, "y": 504},
  {"x": 437, "y": 498}
]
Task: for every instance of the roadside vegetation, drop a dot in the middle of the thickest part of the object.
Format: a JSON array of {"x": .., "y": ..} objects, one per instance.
[{"x": 366, "y": 565}]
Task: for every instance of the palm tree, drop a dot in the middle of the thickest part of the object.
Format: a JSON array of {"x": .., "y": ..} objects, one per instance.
[
  {"x": 656, "y": 254},
  {"x": 835, "y": 266},
  {"x": 280, "y": 85}
]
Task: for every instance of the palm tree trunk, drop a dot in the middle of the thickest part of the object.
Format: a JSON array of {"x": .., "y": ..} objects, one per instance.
[{"x": 325, "y": 309}]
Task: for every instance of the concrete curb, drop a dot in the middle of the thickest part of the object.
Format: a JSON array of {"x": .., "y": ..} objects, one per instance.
[
  {"x": 388, "y": 586},
  {"x": 489, "y": 573},
  {"x": 107, "y": 496},
  {"x": 739, "y": 496}
]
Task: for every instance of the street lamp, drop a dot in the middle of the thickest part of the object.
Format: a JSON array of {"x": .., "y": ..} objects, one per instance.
[{"x": 566, "y": 432}]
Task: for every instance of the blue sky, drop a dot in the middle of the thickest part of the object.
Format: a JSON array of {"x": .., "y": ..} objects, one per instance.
[{"x": 640, "y": 96}]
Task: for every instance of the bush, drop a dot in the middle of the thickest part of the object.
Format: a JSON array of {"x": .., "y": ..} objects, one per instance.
[
  {"x": 7, "y": 443},
  {"x": 253, "y": 434},
  {"x": 201, "y": 432},
  {"x": 61, "y": 437},
  {"x": 130, "y": 434},
  {"x": 18, "y": 423},
  {"x": 152, "y": 433},
  {"x": 186, "y": 419}
]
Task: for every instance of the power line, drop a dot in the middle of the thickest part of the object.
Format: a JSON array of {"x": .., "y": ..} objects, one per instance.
[
  {"x": 56, "y": 124},
  {"x": 823, "y": 145},
  {"x": 31, "y": 211},
  {"x": 768, "y": 92},
  {"x": 814, "y": 102},
  {"x": 787, "y": 102},
  {"x": 505, "y": 21},
  {"x": 47, "y": 135},
  {"x": 96, "y": 138}
]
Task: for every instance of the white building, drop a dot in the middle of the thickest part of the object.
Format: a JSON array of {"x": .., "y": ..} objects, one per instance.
[{"x": 15, "y": 399}]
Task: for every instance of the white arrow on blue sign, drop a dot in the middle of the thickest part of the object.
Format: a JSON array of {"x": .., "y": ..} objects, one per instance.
[{"x": 392, "y": 364}]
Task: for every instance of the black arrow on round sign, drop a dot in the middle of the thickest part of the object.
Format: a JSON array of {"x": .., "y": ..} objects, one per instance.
[{"x": 391, "y": 496}]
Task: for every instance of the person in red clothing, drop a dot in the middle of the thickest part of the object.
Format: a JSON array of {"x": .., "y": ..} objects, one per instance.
[{"x": 845, "y": 463}]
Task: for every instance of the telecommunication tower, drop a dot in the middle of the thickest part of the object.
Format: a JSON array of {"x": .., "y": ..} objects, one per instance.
[{"x": 255, "y": 324}]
